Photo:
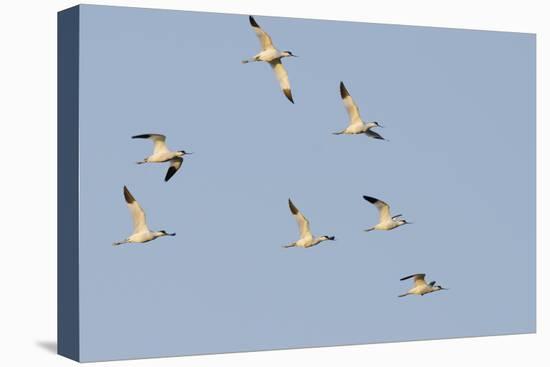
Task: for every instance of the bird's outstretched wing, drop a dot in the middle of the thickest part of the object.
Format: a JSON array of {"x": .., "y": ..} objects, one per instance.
[
  {"x": 349, "y": 103},
  {"x": 303, "y": 223},
  {"x": 383, "y": 208},
  {"x": 265, "y": 40},
  {"x": 418, "y": 279},
  {"x": 159, "y": 142},
  {"x": 138, "y": 215},
  {"x": 373, "y": 134},
  {"x": 282, "y": 77},
  {"x": 175, "y": 165}
]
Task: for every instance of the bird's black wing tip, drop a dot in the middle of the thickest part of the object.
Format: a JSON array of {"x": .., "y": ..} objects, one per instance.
[
  {"x": 141, "y": 136},
  {"x": 171, "y": 172},
  {"x": 343, "y": 90},
  {"x": 370, "y": 199},
  {"x": 128, "y": 196},
  {"x": 292, "y": 207},
  {"x": 412, "y": 276},
  {"x": 253, "y": 21},
  {"x": 288, "y": 94}
]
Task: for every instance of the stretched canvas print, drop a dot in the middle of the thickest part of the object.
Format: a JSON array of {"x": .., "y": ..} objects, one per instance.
[{"x": 242, "y": 182}]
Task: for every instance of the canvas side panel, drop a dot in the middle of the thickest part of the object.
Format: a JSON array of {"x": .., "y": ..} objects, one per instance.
[{"x": 67, "y": 183}]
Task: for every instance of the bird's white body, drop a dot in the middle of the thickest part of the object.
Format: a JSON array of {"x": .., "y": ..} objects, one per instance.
[
  {"x": 309, "y": 241},
  {"x": 272, "y": 56},
  {"x": 387, "y": 225},
  {"x": 269, "y": 55},
  {"x": 141, "y": 233},
  {"x": 386, "y": 221},
  {"x": 420, "y": 287},
  {"x": 421, "y": 290},
  {"x": 144, "y": 236},
  {"x": 306, "y": 237},
  {"x": 162, "y": 154},
  {"x": 161, "y": 157},
  {"x": 356, "y": 125}
]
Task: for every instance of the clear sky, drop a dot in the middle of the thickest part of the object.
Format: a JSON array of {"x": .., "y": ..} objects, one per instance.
[{"x": 459, "y": 111}]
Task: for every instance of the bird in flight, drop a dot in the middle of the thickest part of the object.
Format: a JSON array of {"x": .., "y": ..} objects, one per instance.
[
  {"x": 306, "y": 238},
  {"x": 141, "y": 233},
  {"x": 420, "y": 287},
  {"x": 356, "y": 125},
  {"x": 386, "y": 221},
  {"x": 162, "y": 154},
  {"x": 273, "y": 56}
]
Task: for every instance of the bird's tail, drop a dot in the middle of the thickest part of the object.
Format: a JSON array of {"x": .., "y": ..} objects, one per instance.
[
  {"x": 403, "y": 295},
  {"x": 291, "y": 245},
  {"x": 246, "y": 61}
]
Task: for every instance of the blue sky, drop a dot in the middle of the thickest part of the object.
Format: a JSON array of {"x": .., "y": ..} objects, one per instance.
[{"x": 459, "y": 111}]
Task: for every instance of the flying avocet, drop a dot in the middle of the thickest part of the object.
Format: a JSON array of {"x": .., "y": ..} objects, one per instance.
[
  {"x": 356, "y": 124},
  {"x": 306, "y": 238},
  {"x": 385, "y": 222},
  {"x": 420, "y": 286},
  {"x": 141, "y": 233},
  {"x": 273, "y": 56},
  {"x": 162, "y": 154}
]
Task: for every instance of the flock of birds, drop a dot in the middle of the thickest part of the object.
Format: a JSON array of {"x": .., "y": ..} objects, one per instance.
[{"x": 162, "y": 154}]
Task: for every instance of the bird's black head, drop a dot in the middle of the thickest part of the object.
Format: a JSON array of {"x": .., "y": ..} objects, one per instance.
[
  {"x": 290, "y": 53},
  {"x": 183, "y": 152},
  {"x": 330, "y": 238},
  {"x": 166, "y": 233}
]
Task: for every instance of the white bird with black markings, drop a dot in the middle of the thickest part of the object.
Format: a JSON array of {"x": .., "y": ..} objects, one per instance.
[
  {"x": 420, "y": 287},
  {"x": 356, "y": 125},
  {"x": 273, "y": 56},
  {"x": 141, "y": 233},
  {"x": 162, "y": 154},
  {"x": 306, "y": 238},
  {"x": 386, "y": 221}
]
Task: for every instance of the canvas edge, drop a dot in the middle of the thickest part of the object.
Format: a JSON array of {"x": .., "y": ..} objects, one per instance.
[{"x": 68, "y": 328}]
